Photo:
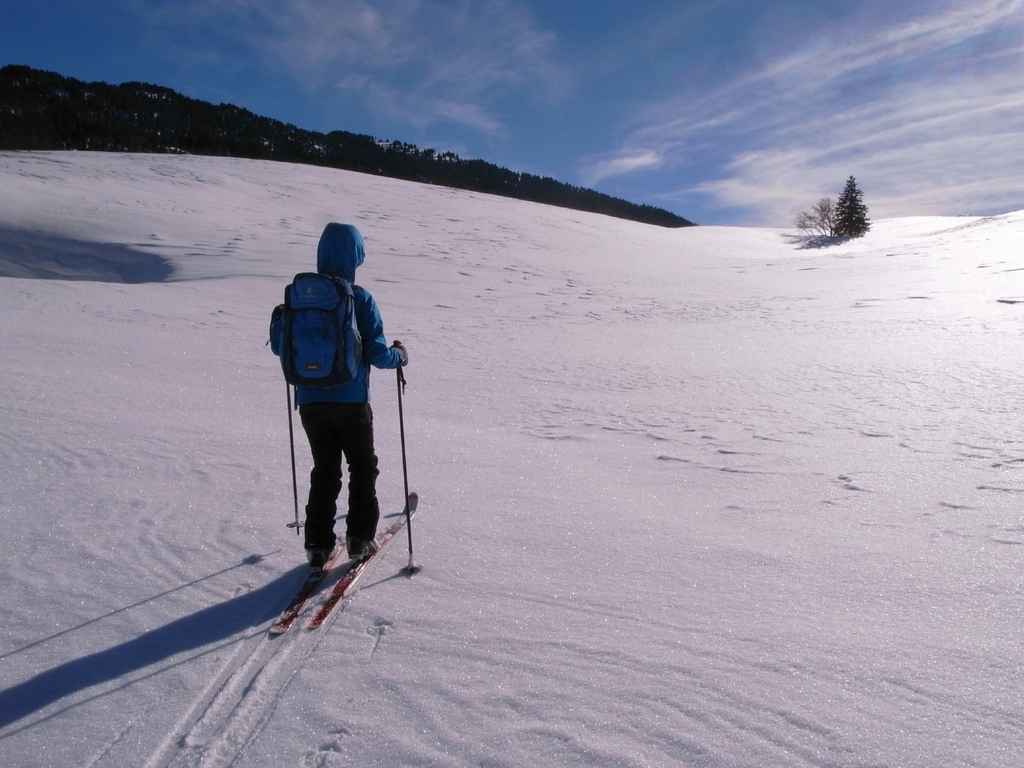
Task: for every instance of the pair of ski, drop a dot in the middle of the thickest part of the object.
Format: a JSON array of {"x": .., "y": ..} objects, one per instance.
[{"x": 346, "y": 584}]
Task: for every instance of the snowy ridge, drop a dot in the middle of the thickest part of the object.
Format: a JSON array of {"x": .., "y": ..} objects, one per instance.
[{"x": 711, "y": 496}]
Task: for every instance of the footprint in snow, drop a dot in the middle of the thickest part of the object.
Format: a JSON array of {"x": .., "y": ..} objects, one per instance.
[{"x": 331, "y": 754}]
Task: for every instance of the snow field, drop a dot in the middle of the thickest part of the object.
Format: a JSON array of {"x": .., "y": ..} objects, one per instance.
[{"x": 713, "y": 496}]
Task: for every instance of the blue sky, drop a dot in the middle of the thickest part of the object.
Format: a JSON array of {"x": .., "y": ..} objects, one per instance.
[{"x": 735, "y": 112}]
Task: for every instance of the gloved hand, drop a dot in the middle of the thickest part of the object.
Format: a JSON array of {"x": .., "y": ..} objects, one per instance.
[{"x": 402, "y": 353}]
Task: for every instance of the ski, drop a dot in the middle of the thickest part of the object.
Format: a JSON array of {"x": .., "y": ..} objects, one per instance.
[
  {"x": 347, "y": 584},
  {"x": 305, "y": 592}
]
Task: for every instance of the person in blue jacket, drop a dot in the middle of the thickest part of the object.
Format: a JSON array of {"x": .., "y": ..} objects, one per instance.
[{"x": 339, "y": 421}]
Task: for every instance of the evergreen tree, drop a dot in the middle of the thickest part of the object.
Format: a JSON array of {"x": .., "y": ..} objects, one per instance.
[{"x": 851, "y": 213}]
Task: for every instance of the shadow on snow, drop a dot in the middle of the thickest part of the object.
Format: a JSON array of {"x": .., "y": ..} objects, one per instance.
[
  {"x": 815, "y": 242},
  {"x": 47, "y": 257},
  {"x": 203, "y": 628}
]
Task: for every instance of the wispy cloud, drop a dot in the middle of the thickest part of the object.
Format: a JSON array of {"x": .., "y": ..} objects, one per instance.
[
  {"x": 618, "y": 163},
  {"x": 927, "y": 111},
  {"x": 423, "y": 61}
]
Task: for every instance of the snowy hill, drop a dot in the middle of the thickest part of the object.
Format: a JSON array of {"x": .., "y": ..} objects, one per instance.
[{"x": 708, "y": 496}]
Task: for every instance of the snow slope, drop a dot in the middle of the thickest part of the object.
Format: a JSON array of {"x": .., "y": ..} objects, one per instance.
[{"x": 702, "y": 497}]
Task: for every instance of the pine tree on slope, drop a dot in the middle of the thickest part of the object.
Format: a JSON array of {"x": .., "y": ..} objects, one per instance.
[{"x": 851, "y": 213}]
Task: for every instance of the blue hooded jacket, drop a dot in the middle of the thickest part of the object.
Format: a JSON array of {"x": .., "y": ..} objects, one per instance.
[{"x": 339, "y": 253}]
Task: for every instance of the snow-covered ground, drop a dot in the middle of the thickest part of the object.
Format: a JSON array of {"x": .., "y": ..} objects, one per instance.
[{"x": 699, "y": 497}]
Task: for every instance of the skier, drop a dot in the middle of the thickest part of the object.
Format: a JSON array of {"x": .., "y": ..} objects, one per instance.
[{"x": 338, "y": 421}]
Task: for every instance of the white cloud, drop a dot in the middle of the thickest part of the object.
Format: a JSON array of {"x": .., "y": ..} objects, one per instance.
[
  {"x": 467, "y": 114},
  {"x": 927, "y": 113},
  {"x": 918, "y": 152},
  {"x": 618, "y": 164},
  {"x": 422, "y": 60}
]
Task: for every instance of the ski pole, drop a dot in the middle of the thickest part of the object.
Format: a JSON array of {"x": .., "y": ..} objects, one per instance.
[
  {"x": 411, "y": 568},
  {"x": 295, "y": 481}
]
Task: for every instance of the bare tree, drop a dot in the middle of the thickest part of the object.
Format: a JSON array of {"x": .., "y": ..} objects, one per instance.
[{"x": 819, "y": 220}]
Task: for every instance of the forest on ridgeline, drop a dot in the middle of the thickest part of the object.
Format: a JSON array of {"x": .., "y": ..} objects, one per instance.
[{"x": 47, "y": 111}]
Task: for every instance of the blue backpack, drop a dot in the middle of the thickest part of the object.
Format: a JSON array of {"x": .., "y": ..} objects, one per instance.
[{"x": 315, "y": 333}]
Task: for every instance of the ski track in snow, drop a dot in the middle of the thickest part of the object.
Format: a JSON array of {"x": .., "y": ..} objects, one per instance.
[
  {"x": 230, "y": 714},
  {"x": 713, "y": 497}
]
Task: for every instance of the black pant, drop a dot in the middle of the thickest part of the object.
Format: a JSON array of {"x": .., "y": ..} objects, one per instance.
[{"x": 336, "y": 429}]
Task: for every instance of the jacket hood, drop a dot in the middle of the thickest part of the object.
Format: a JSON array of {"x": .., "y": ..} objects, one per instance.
[{"x": 340, "y": 251}]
